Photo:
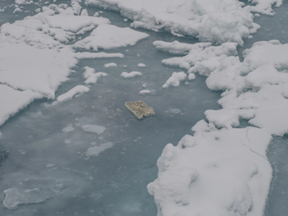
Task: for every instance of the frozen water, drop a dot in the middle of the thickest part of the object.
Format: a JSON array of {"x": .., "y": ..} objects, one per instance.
[
  {"x": 93, "y": 128},
  {"x": 113, "y": 182}
]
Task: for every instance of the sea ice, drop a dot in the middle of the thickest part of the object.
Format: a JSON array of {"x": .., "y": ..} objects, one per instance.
[
  {"x": 68, "y": 128},
  {"x": 77, "y": 90},
  {"x": 141, "y": 65},
  {"x": 112, "y": 64},
  {"x": 144, "y": 92},
  {"x": 96, "y": 150},
  {"x": 110, "y": 36},
  {"x": 91, "y": 76},
  {"x": 131, "y": 74},
  {"x": 93, "y": 128},
  {"x": 216, "y": 21},
  {"x": 175, "y": 79}
]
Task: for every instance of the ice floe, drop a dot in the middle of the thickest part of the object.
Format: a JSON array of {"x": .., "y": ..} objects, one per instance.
[
  {"x": 175, "y": 79},
  {"x": 131, "y": 74},
  {"x": 77, "y": 90},
  {"x": 93, "y": 128},
  {"x": 216, "y": 21},
  {"x": 109, "y": 36},
  {"x": 97, "y": 149},
  {"x": 223, "y": 165},
  {"x": 112, "y": 64},
  {"x": 91, "y": 76}
]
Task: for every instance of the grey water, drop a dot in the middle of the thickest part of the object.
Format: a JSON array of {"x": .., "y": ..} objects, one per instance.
[{"x": 37, "y": 154}]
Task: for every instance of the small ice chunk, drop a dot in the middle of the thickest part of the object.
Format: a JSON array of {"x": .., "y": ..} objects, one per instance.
[
  {"x": 175, "y": 79},
  {"x": 66, "y": 141},
  {"x": 96, "y": 14},
  {"x": 93, "y": 128},
  {"x": 96, "y": 150},
  {"x": 139, "y": 109},
  {"x": 125, "y": 20},
  {"x": 191, "y": 76},
  {"x": 175, "y": 110},
  {"x": 131, "y": 74},
  {"x": 144, "y": 92},
  {"x": 141, "y": 65},
  {"x": 68, "y": 128},
  {"x": 80, "y": 89},
  {"x": 91, "y": 76},
  {"x": 112, "y": 64},
  {"x": 14, "y": 197},
  {"x": 84, "y": 12}
]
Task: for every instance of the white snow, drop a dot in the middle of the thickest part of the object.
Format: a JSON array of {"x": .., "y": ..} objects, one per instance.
[
  {"x": 93, "y": 128},
  {"x": 223, "y": 167},
  {"x": 221, "y": 172},
  {"x": 88, "y": 55},
  {"x": 109, "y": 36},
  {"x": 191, "y": 76},
  {"x": 112, "y": 64},
  {"x": 216, "y": 21},
  {"x": 131, "y": 74},
  {"x": 201, "y": 58},
  {"x": 265, "y": 6},
  {"x": 141, "y": 65},
  {"x": 12, "y": 101},
  {"x": 77, "y": 90},
  {"x": 175, "y": 79},
  {"x": 91, "y": 76},
  {"x": 96, "y": 150}
]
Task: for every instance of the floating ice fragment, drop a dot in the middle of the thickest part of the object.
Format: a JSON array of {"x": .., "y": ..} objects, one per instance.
[
  {"x": 139, "y": 109},
  {"x": 88, "y": 55},
  {"x": 110, "y": 36},
  {"x": 144, "y": 92},
  {"x": 96, "y": 150},
  {"x": 93, "y": 128},
  {"x": 112, "y": 64},
  {"x": 175, "y": 79},
  {"x": 191, "y": 76},
  {"x": 14, "y": 197},
  {"x": 80, "y": 89},
  {"x": 68, "y": 128},
  {"x": 131, "y": 74},
  {"x": 141, "y": 65}
]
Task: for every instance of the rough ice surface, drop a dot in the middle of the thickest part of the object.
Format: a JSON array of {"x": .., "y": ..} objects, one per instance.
[
  {"x": 217, "y": 21},
  {"x": 265, "y": 6},
  {"x": 144, "y": 92},
  {"x": 255, "y": 89}
]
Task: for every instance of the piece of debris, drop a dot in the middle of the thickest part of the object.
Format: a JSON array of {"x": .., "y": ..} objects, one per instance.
[{"x": 139, "y": 109}]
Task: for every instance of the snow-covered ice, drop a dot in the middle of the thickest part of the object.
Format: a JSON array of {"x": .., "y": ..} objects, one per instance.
[
  {"x": 110, "y": 36},
  {"x": 131, "y": 74},
  {"x": 175, "y": 79},
  {"x": 77, "y": 90},
  {"x": 111, "y": 64},
  {"x": 145, "y": 91},
  {"x": 217, "y": 21},
  {"x": 141, "y": 65},
  {"x": 91, "y": 76}
]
